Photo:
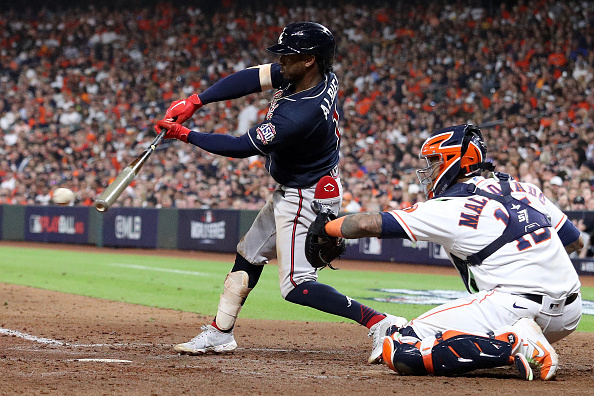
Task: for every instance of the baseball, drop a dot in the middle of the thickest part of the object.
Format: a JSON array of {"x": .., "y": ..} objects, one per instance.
[{"x": 63, "y": 196}]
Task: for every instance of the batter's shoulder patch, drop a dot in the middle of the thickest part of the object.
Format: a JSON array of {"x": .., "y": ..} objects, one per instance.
[{"x": 266, "y": 132}]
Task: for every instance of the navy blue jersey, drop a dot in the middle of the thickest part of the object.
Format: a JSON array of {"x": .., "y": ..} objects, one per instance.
[{"x": 300, "y": 136}]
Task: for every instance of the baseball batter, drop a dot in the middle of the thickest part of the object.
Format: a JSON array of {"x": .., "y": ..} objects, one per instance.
[
  {"x": 510, "y": 245},
  {"x": 300, "y": 139}
]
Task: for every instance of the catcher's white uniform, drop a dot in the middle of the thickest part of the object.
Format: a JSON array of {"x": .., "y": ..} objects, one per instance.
[{"x": 507, "y": 283}]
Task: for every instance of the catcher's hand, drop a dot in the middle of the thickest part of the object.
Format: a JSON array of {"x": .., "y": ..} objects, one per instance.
[{"x": 320, "y": 248}]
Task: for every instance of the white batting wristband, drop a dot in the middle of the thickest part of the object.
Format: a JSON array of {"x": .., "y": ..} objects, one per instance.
[{"x": 265, "y": 76}]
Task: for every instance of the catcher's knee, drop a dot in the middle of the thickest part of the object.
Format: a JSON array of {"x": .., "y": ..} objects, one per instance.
[
  {"x": 445, "y": 354},
  {"x": 466, "y": 352},
  {"x": 234, "y": 294},
  {"x": 403, "y": 358}
]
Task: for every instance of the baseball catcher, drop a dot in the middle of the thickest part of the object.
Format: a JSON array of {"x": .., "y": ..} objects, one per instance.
[{"x": 510, "y": 245}]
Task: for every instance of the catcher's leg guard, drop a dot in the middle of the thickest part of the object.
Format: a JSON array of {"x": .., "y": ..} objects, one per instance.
[
  {"x": 449, "y": 353},
  {"x": 235, "y": 292},
  {"x": 403, "y": 358},
  {"x": 461, "y": 353}
]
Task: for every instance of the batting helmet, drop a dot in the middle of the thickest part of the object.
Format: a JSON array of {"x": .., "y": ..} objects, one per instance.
[
  {"x": 451, "y": 153},
  {"x": 307, "y": 38}
]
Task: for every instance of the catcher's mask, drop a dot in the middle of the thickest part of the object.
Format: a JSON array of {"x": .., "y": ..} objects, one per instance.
[{"x": 451, "y": 153}]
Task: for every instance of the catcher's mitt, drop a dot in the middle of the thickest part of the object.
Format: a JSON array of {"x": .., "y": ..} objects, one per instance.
[{"x": 320, "y": 248}]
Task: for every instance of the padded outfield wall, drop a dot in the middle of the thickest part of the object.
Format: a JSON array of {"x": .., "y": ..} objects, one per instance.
[{"x": 216, "y": 230}]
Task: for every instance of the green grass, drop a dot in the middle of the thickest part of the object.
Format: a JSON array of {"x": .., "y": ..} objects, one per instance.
[{"x": 161, "y": 282}]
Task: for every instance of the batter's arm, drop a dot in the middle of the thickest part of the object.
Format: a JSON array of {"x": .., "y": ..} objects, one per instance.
[
  {"x": 244, "y": 82},
  {"x": 216, "y": 143}
]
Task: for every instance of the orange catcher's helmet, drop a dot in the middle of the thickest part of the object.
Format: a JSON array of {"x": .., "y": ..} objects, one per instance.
[{"x": 451, "y": 153}]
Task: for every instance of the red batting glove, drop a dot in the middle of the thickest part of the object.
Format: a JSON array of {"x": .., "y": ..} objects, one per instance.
[
  {"x": 181, "y": 110},
  {"x": 174, "y": 130}
]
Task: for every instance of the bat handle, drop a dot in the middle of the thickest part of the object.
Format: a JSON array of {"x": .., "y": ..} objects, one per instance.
[{"x": 158, "y": 139}]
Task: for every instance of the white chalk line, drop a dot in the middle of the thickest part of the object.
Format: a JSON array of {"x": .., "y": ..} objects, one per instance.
[
  {"x": 29, "y": 337},
  {"x": 49, "y": 341},
  {"x": 170, "y": 270},
  {"x": 104, "y": 360},
  {"x": 279, "y": 350}
]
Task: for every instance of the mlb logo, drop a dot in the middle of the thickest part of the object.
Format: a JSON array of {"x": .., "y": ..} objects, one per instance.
[
  {"x": 35, "y": 224},
  {"x": 265, "y": 133}
]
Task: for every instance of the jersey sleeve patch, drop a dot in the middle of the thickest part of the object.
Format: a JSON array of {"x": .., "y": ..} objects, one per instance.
[{"x": 266, "y": 133}]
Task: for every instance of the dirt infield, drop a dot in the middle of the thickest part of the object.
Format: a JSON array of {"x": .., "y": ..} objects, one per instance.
[{"x": 54, "y": 343}]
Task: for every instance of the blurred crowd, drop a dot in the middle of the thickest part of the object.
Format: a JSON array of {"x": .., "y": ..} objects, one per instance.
[{"x": 82, "y": 88}]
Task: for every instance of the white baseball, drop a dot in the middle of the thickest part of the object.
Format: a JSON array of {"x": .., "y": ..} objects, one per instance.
[{"x": 63, "y": 196}]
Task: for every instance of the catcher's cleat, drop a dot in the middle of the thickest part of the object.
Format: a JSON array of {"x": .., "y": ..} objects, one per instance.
[
  {"x": 535, "y": 348},
  {"x": 378, "y": 332},
  {"x": 210, "y": 340},
  {"x": 523, "y": 367}
]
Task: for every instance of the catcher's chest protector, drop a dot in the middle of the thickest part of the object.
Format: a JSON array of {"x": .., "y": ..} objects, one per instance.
[{"x": 521, "y": 219}]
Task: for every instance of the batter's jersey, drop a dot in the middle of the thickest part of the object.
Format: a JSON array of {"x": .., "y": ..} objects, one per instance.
[
  {"x": 300, "y": 136},
  {"x": 535, "y": 263}
]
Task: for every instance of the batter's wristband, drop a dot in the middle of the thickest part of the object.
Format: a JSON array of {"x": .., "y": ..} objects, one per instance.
[
  {"x": 181, "y": 132},
  {"x": 333, "y": 228},
  {"x": 195, "y": 99}
]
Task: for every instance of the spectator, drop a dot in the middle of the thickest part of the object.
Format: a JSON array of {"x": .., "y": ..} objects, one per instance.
[{"x": 79, "y": 93}]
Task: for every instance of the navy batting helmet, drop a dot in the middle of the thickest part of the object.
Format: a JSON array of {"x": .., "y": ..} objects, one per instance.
[{"x": 307, "y": 38}]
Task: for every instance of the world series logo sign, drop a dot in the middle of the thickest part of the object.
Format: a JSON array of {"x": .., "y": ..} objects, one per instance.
[{"x": 209, "y": 230}]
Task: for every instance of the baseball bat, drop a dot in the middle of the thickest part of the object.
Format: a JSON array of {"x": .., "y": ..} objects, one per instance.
[{"x": 115, "y": 189}]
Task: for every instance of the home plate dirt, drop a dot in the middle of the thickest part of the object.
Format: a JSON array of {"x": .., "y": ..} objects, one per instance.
[{"x": 54, "y": 343}]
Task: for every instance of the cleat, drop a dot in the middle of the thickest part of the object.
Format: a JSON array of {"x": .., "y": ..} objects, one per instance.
[
  {"x": 210, "y": 340},
  {"x": 536, "y": 349},
  {"x": 378, "y": 332},
  {"x": 523, "y": 367},
  {"x": 388, "y": 352}
]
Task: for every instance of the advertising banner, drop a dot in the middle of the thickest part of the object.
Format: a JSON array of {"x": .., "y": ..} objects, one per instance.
[
  {"x": 396, "y": 250},
  {"x": 57, "y": 224},
  {"x": 208, "y": 230},
  {"x": 131, "y": 227},
  {"x": 584, "y": 266}
]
